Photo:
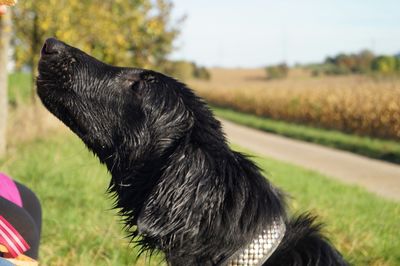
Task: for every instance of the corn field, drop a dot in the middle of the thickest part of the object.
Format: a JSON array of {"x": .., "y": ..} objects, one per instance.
[{"x": 354, "y": 104}]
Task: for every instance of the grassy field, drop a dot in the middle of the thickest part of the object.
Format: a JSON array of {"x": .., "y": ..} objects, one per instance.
[
  {"x": 375, "y": 148},
  {"x": 356, "y": 104},
  {"x": 80, "y": 229},
  {"x": 78, "y": 226}
]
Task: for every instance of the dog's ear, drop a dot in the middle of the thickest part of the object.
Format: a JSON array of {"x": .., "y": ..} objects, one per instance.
[{"x": 131, "y": 80}]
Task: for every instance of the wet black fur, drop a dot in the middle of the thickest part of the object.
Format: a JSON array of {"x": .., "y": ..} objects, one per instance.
[{"x": 179, "y": 187}]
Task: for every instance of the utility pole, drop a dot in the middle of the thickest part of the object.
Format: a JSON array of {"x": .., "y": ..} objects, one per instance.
[{"x": 5, "y": 36}]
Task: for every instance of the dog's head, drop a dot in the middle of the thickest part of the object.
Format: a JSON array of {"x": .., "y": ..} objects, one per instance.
[{"x": 110, "y": 107}]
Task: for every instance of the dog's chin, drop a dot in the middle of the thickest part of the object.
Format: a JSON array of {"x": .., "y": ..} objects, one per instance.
[
  {"x": 75, "y": 126},
  {"x": 79, "y": 129},
  {"x": 62, "y": 113}
]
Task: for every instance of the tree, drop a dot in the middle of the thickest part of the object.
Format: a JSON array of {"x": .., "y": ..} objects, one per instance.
[
  {"x": 5, "y": 34},
  {"x": 131, "y": 32},
  {"x": 385, "y": 64}
]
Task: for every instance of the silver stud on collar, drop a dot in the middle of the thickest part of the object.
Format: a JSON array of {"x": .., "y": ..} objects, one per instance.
[{"x": 261, "y": 248}]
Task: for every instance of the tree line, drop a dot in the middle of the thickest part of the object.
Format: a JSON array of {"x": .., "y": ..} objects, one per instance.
[{"x": 364, "y": 62}]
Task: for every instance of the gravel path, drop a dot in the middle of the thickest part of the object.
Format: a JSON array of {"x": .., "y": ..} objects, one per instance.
[{"x": 376, "y": 176}]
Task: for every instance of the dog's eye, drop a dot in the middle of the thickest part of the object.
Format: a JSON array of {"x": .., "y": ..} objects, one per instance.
[{"x": 149, "y": 77}]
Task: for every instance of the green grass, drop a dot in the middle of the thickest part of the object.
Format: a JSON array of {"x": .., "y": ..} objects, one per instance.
[
  {"x": 19, "y": 88},
  {"x": 375, "y": 148},
  {"x": 80, "y": 229},
  {"x": 78, "y": 226}
]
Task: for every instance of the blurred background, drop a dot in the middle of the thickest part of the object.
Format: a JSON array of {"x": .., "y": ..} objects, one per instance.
[{"x": 326, "y": 72}]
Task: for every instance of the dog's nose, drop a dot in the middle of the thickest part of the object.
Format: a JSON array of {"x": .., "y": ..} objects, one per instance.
[{"x": 52, "y": 46}]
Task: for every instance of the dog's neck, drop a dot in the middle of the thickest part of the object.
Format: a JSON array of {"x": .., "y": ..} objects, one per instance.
[
  {"x": 179, "y": 201},
  {"x": 137, "y": 168}
]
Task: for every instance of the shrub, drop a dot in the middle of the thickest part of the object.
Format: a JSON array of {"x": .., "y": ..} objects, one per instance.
[
  {"x": 201, "y": 73},
  {"x": 385, "y": 64},
  {"x": 185, "y": 70},
  {"x": 277, "y": 72},
  {"x": 182, "y": 70}
]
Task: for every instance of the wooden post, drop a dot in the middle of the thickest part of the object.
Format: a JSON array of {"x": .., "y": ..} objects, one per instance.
[{"x": 5, "y": 36}]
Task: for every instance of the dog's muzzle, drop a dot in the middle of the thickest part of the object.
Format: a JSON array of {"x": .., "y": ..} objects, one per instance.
[{"x": 261, "y": 248}]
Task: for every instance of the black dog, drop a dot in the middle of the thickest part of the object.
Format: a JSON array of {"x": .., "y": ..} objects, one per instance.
[{"x": 178, "y": 185}]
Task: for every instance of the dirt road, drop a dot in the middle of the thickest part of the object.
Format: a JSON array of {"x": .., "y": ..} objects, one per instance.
[{"x": 376, "y": 176}]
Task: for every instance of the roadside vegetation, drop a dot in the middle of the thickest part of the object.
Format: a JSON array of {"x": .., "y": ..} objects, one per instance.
[
  {"x": 387, "y": 150},
  {"x": 358, "y": 113}
]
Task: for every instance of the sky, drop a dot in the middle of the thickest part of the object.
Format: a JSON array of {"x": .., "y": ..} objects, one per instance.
[{"x": 254, "y": 33}]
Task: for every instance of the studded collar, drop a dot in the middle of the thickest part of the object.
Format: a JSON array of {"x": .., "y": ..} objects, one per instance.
[{"x": 261, "y": 248}]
